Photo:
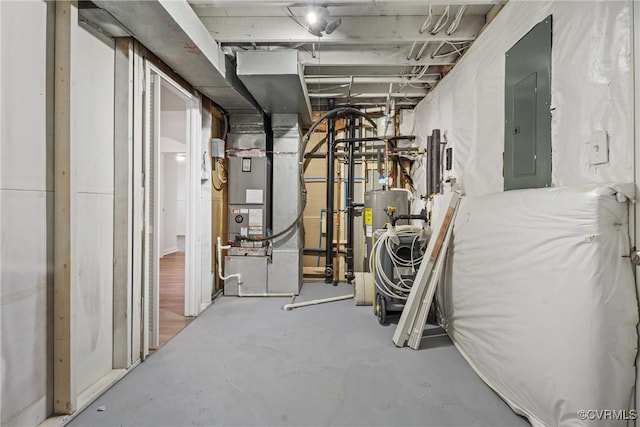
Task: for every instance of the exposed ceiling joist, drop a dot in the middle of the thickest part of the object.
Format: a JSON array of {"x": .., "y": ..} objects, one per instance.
[
  {"x": 391, "y": 79},
  {"x": 379, "y": 97},
  {"x": 365, "y": 90},
  {"x": 367, "y": 30},
  {"x": 346, "y": 71},
  {"x": 374, "y": 57}
]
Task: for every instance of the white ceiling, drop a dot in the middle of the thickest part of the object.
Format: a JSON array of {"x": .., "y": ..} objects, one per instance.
[{"x": 378, "y": 51}]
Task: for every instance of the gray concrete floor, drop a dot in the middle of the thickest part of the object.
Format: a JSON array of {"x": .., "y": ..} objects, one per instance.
[{"x": 246, "y": 362}]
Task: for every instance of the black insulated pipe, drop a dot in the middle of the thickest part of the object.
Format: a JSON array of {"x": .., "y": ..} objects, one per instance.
[
  {"x": 331, "y": 130},
  {"x": 436, "y": 158},
  {"x": 428, "y": 175},
  {"x": 396, "y": 218},
  {"x": 353, "y": 124}
]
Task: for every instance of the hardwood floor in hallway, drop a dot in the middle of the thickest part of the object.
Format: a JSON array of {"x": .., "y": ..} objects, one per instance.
[{"x": 172, "y": 319}]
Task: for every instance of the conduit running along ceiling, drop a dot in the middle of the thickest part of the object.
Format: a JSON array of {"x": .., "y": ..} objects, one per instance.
[{"x": 394, "y": 48}]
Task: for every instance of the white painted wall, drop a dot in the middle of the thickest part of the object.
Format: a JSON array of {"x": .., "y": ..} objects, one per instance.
[
  {"x": 26, "y": 220},
  {"x": 169, "y": 200},
  {"x": 27, "y": 208},
  {"x": 173, "y": 131},
  {"x": 591, "y": 89},
  {"x": 181, "y": 181},
  {"x": 173, "y": 125},
  {"x": 93, "y": 103}
]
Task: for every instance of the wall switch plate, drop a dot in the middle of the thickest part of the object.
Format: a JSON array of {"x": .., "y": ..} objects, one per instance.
[{"x": 599, "y": 148}]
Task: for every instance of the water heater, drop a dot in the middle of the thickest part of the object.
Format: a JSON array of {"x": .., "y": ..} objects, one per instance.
[{"x": 379, "y": 206}]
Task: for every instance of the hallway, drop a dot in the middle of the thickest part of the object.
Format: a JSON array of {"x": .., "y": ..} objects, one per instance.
[
  {"x": 248, "y": 362},
  {"x": 172, "y": 319}
]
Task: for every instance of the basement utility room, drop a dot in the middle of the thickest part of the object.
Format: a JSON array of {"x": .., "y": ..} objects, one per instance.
[{"x": 319, "y": 213}]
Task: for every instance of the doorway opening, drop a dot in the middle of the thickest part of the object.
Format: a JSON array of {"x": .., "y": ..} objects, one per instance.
[
  {"x": 173, "y": 219},
  {"x": 169, "y": 250}
]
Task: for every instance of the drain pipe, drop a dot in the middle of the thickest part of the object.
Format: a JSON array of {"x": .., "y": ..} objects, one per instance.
[
  {"x": 353, "y": 123},
  {"x": 329, "y": 275},
  {"x": 290, "y": 307},
  {"x": 230, "y": 276},
  {"x": 239, "y": 277}
]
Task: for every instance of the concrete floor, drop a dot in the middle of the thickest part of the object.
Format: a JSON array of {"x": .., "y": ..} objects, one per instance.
[{"x": 247, "y": 362}]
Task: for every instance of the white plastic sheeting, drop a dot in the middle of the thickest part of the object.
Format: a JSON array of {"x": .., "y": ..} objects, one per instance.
[
  {"x": 591, "y": 90},
  {"x": 92, "y": 108},
  {"x": 26, "y": 222},
  {"x": 539, "y": 297}
]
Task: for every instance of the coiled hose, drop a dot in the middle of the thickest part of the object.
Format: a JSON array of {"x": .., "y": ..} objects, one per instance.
[{"x": 385, "y": 284}]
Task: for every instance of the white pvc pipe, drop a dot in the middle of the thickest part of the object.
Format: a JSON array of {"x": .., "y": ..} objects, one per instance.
[
  {"x": 289, "y": 307},
  {"x": 220, "y": 248},
  {"x": 264, "y": 294}
]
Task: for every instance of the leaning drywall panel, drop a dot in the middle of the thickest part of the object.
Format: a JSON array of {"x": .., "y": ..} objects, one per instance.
[
  {"x": 539, "y": 297},
  {"x": 591, "y": 89},
  {"x": 92, "y": 108},
  {"x": 26, "y": 182}
]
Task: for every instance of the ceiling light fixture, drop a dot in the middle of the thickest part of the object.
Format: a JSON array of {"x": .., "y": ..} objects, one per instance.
[{"x": 318, "y": 21}]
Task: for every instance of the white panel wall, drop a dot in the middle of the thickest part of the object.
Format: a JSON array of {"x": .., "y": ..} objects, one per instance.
[
  {"x": 181, "y": 181},
  {"x": 93, "y": 102},
  {"x": 591, "y": 89},
  {"x": 169, "y": 213},
  {"x": 173, "y": 124},
  {"x": 26, "y": 223}
]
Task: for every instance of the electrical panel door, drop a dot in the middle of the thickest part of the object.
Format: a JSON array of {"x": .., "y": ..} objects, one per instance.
[{"x": 527, "y": 146}]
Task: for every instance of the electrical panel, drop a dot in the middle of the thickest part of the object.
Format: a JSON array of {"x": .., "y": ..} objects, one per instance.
[{"x": 527, "y": 143}]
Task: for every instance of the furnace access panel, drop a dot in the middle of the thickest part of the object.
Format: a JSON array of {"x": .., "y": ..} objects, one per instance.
[{"x": 249, "y": 204}]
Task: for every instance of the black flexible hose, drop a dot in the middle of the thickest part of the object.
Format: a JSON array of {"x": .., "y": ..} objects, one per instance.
[{"x": 336, "y": 112}]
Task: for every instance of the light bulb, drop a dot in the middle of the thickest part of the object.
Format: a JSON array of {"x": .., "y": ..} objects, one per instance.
[{"x": 312, "y": 17}]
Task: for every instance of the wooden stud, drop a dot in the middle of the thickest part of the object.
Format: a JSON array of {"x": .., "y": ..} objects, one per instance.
[
  {"x": 123, "y": 203},
  {"x": 64, "y": 390}
]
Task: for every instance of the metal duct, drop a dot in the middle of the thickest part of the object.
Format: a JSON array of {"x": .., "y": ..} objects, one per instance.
[
  {"x": 285, "y": 271},
  {"x": 174, "y": 33},
  {"x": 276, "y": 81}
]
